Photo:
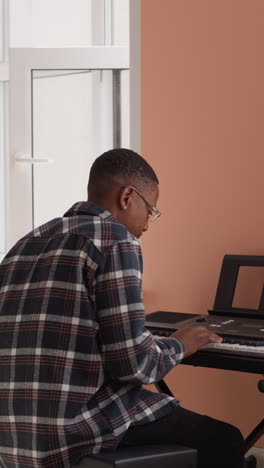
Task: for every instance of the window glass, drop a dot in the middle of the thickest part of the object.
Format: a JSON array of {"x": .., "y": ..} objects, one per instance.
[
  {"x": 50, "y": 23},
  {"x": 68, "y": 23}
]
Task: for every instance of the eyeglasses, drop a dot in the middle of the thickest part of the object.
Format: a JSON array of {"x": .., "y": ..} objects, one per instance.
[{"x": 155, "y": 212}]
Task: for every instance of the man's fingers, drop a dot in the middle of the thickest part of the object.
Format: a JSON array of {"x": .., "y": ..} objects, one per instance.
[
  {"x": 213, "y": 338},
  {"x": 194, "y": 338},
  {"x": 205, "y": 334}
]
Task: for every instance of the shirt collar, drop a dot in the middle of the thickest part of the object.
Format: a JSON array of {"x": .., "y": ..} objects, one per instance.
[{"x": 88, "y": 208}]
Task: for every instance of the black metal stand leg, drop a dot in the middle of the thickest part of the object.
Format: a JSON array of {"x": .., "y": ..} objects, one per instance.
[
  {"x": 259, "y": 429},
  {"x": 254, "y": 435},
  {"x": 163, "y": 388}
]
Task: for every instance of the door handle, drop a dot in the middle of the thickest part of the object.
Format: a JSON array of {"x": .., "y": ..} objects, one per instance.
[{"x": 22, "y": 158}]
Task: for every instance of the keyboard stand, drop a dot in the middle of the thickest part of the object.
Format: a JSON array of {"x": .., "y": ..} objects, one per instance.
[
  {"x": 224, "y": 304},
  {"x": 162, "y": 387},
  {"x": 254, "y": 435},
  {"x": 226, "y": 362},
  {"x": 258, "y": 432}
]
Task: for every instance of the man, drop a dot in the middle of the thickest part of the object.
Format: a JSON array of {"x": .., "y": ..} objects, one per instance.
[{"x": 74, "y": 351}]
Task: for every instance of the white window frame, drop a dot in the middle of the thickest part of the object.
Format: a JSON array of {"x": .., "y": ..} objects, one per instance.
[
  {"x": 4, "y": 78},
  {"x": 135, "y": 75},
  {"x": 22, "y": 62}
]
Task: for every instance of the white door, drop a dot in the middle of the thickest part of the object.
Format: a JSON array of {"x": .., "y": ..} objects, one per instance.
[{"x": 69, "y": 102}]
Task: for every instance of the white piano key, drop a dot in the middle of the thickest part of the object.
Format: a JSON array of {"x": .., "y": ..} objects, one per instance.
[{"x": 242, "y": 350}]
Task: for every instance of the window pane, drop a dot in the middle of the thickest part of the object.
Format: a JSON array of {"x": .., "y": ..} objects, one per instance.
[
  {"x": 2, "y": 178},
  {"x": 68, "y": 23},
  {"x": 74, "y": 121},
  {"x": 50, "y": 23}
]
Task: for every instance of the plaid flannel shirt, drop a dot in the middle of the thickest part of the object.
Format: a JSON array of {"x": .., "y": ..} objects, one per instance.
[{"x": 74, "y": 351}]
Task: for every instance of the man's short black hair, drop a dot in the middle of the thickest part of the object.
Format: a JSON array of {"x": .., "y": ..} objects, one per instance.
[{"x": 120, "y": 165}]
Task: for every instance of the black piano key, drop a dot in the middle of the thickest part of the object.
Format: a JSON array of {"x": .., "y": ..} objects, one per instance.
[{"x": 243, "y": 341}]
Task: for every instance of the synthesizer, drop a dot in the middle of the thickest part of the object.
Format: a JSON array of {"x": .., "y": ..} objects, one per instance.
[
  {"x": 241, "y": 328},
  {"x": 239, "y": 335},
  {"x": 243, "y": 339},
  {"x": 242, "y": 348}
]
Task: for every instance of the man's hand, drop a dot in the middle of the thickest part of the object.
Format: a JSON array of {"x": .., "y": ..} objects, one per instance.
[{"x": 194, "y": 338}]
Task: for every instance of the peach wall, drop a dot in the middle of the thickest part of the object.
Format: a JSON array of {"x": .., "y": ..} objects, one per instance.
[{"x": 202, "y": 130}]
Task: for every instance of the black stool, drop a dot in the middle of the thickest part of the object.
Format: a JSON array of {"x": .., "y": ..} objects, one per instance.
[{"x": 145, "y": 456}]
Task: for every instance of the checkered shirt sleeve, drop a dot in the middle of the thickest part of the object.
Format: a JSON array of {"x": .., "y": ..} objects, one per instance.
[{"x": 129, "y": 351}]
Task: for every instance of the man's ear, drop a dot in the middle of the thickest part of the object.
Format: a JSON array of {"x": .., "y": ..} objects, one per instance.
[{"x": 125, "y": 196}]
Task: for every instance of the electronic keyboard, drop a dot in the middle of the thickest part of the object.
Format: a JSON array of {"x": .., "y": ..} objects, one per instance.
[{"x": 243, "y": 339}]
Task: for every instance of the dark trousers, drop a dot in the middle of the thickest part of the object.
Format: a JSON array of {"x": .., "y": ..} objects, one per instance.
[{"x": 219, "y": 444}]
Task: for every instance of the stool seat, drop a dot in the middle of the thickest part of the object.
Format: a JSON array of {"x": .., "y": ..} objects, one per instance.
[{"x": 145, "y": 456}]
